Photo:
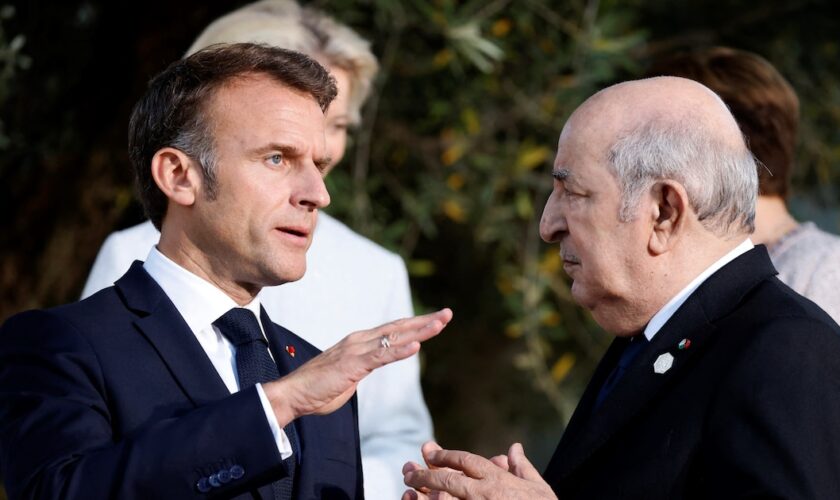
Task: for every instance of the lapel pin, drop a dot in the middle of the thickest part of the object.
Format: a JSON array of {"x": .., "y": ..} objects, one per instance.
[
  {"x": 684, "y": 344},
  {"x": 663, "y": 363},
  {"x": 291, "y": 350}
]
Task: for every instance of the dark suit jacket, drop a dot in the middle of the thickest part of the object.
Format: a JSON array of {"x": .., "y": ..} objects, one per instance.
[
  {"x": 750, "y": 409},
  {"x": 113, "y": 397}
]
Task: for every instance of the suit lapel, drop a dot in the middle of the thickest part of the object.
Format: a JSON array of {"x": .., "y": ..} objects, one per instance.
[
  {"x": 308, "y": 430},
  {"x": 583, "y": 412},
  {"x": 694, "y": 320},
  {"x": 162, "y": 325},
  {"x": 281, "y": 342}
]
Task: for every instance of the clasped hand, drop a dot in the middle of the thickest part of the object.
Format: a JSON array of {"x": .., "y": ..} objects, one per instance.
[{"x": 458, "y": 474}]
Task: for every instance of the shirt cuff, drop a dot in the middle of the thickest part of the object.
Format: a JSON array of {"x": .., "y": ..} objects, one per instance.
[{"x": 280, "y": 438}]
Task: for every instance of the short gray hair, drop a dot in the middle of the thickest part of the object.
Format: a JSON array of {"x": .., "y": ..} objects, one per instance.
[{"x": 720, "y": 178}]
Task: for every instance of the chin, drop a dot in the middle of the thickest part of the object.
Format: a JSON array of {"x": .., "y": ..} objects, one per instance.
[
  {"x": 288, "y": 277},
  {"x": 287, "y": 274},
  {"x": 580, "y": 296}
]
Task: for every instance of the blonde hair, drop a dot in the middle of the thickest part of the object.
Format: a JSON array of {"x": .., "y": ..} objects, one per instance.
[{"x": 285, "y": 24}]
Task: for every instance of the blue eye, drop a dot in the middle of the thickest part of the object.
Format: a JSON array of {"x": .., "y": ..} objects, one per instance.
[{"x": 275, "y": 159}]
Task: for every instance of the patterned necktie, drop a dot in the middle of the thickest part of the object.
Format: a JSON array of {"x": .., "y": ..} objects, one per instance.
[
  {"x": 631, "y": 350},
  {"x": 255, "y": 366}
]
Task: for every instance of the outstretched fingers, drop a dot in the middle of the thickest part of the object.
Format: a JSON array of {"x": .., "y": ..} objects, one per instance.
[{"x": 400, "y": 339}]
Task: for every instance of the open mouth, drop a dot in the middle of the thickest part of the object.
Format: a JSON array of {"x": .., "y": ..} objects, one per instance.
[
  {"x": 294, "y": 232},
  {"x": 295, "y": 235}
]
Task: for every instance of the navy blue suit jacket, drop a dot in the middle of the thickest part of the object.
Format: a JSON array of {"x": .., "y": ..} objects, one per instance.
[
  {"x": 113, "y": 397},
  {"x": 749, "y": 409}
]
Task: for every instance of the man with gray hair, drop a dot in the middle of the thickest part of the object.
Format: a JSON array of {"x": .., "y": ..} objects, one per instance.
[{"x": 722, "y": 382}]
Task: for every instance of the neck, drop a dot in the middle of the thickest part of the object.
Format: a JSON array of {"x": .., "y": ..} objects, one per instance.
[
  {"x": 685, "y": 262},
  {"x": 182, "y": 251},
  {"x": 772, "y": 220}
]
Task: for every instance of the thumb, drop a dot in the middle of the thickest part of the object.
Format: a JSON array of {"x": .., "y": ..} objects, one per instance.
[
  {"x": 520, "y": 466},
  {"x": 427, "y": 448}
]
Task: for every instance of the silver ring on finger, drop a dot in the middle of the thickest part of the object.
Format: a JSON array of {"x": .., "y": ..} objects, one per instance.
[{"x": 384, "y": 342}]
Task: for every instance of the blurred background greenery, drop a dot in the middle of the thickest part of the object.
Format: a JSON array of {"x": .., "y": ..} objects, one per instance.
[{"x": 450, "y": 167}]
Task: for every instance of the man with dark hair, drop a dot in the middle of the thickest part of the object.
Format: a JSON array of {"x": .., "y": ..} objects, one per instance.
[
  {"x": 175, "y": 383},
  {"x": 364, "y": 283},
  {"x": 767, "y": 110}
]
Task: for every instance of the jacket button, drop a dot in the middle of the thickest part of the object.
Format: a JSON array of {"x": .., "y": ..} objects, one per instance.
[
  {"x": 203, "y": 485},
  {"x": 237, "y": 471},
  {"x": 214, "y": 481},
  {"x": 224, "y": 476}
]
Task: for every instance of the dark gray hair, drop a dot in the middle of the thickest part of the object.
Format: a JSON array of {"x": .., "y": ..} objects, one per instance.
[
  {"x": 719, "y": 178},
  {"x": 172, "y": 112}
]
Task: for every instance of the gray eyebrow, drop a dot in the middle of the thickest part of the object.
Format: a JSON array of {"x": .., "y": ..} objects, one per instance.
[{"x": 561, "y": 174}]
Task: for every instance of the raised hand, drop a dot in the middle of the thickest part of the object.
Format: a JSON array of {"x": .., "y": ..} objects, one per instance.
[{"x": 327, "y": 381}]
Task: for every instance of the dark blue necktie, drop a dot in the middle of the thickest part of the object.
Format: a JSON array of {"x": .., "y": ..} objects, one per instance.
[
  {"x": 631, "y": 350},
  {"x": 255, "y": 366}
]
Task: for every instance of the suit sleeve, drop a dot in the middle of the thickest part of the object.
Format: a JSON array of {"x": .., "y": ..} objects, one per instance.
[
  {"x": 394, "y": 420},
  {"x": 56, "y": 430},
  {"x": 774, "y": 429}
]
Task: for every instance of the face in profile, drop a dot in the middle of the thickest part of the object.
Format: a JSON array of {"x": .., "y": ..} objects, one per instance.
[
  {"x": 271, "y": 156},
  {"x": 582, "y": 216}
]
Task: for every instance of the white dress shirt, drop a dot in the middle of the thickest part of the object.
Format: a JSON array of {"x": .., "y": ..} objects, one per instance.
[
  {"x": 660, "y": 318},
  {"x": 201, "y": 303}
]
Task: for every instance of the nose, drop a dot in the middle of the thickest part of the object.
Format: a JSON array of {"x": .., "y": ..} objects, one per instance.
[
  {"x": 311, "y": 193},
  {"x": 552, "y": 222}
]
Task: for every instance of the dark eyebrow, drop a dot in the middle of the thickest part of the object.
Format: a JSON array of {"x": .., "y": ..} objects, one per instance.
[
  {"x": 322, "y": 163},
  {"x": 286, "y": 149},
  {"x": 292, "y": 151}
]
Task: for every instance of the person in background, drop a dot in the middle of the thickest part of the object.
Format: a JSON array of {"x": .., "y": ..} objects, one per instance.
[
  {"x": 767, "y": 110},
  {"x": 351, "y": 283}
]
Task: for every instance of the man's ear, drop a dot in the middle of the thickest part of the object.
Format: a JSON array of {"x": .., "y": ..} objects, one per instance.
[
  {"x": 669, "y": 207},
  {"x": 177, "y": 175}
]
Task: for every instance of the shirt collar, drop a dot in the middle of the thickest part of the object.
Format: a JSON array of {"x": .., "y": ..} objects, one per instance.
[
  {"x": 198, "y": 301},
  {"x": 668, "y": 310}
]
